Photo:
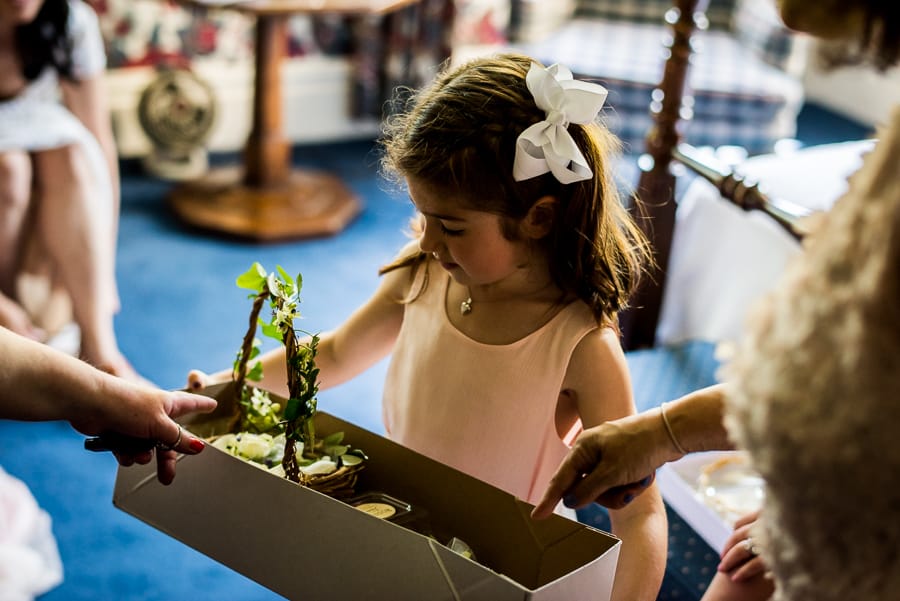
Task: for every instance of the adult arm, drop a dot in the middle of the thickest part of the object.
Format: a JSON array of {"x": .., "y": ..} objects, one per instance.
[
  {"x": 38, "y": 383},
  {"x": 626, "y": 452}
]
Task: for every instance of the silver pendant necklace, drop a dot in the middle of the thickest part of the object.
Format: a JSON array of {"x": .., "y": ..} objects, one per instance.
[{"x": 465, "y": 307}]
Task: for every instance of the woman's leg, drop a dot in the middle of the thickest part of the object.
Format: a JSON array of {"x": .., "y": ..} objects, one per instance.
[
  {"x": 15, "y": 199},
  {"x": 76, "y": 227}
]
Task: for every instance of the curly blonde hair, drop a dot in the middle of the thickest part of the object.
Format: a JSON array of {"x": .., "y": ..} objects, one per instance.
[{"x": 815, "y": 398}]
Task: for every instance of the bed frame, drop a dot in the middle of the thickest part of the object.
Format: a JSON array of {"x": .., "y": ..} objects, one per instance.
[{"x": 655, "y": 210}]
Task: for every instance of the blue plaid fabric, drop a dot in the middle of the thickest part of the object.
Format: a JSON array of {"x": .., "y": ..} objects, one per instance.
[
  {"x": 737, "y": 98},
  {"x": 718, "y": 13},
  {"x": 758, "y": 26}
]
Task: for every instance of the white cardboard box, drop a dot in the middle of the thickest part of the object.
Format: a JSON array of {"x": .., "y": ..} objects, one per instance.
[
  {"x": 305, "y": 545},
  {"x": 678, "y": 483}
]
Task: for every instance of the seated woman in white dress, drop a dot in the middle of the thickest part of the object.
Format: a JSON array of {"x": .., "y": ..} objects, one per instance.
[{"x": 58, "y": 176}]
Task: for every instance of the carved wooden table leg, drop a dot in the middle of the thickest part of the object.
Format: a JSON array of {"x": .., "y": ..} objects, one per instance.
[{"x": 266, "y": 199}]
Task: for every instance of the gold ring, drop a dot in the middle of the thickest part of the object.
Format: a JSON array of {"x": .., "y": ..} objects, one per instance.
[{"x": 169, "y": 447}]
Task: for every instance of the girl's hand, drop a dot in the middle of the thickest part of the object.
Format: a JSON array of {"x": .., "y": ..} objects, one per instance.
[
  {"x": 740, "y": 560},
  {"x": 199, "y": 380}
]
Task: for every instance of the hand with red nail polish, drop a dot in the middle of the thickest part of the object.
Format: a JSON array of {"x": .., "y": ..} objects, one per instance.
[{"x": 38, "y": 383}]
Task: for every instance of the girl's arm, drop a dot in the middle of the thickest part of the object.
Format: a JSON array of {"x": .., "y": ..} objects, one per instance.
[
  {"x": 367, "y": 336},
  {"x": 87, "y": 101},
  {"x": 598, "y": 383}
]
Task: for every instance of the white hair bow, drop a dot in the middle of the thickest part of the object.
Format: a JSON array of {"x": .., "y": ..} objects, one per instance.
[{"x": 547, "y": 145}]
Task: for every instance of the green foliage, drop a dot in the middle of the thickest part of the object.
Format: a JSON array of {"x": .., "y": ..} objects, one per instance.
[
  {"x": 264, "y": 421},
  {"x": 303, "y": 364},
  {"x": 253, "y": 279},
  {"x": 261, "y": 413},
  {"x": 282, "y": 293}
]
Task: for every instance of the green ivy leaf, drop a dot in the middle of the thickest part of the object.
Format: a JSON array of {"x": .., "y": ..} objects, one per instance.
[
  {"x": 333, "y": 439},
  {"x": 336, "y": 451},
  {"x": 357, "y": 453},
  {"x": 272, "y": 332},
  {"x": 255, "y": 373},
  {"x": 287, "y": 279},
  {"x": 252, "y": 279},
  {"x": 350, "y": 460},
  {"x": 292, "y": 409}
]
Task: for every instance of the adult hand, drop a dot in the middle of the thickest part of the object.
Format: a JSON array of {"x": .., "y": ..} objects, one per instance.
[
  {"x": 149, "y": 414},
  {"x": 609, "y": 464},
  {"x": 740, "y": 557}
]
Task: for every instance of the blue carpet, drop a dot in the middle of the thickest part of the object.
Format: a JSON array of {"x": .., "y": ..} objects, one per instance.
[{"x": 181, "y": 310}]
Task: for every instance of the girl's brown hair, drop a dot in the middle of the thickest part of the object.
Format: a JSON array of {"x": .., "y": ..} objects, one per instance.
[{"x": 459, "y": 135}]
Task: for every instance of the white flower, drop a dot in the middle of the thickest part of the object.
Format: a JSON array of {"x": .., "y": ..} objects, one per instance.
[{"x": 322, "y": 466}]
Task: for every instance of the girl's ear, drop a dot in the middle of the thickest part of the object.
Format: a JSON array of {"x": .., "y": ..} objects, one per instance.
[{"x": 539, "y": 221}]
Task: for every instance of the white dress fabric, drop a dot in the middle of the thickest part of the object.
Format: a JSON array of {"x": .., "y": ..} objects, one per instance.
[
  {"x": 36, "y": 119},
  {"x": 29, "y": 560},
  {"x": 724, "y": 259}
]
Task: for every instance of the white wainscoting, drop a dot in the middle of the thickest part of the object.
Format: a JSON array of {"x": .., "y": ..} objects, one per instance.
[
  {"x": 317, "y": 97},
  {"x": 861, "y": 93}
]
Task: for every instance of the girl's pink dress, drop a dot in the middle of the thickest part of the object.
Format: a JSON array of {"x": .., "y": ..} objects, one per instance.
[{"x": 487, "y": 410}]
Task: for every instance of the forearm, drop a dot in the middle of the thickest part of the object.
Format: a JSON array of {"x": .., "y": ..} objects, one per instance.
[
  {"x": 642, "y": 558},
  {"x": 696, "y": 421},
  {"x": 40, "y": 383}
]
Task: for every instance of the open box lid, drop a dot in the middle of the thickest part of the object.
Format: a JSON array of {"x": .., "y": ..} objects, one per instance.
[{"x": 303, "y": 544}]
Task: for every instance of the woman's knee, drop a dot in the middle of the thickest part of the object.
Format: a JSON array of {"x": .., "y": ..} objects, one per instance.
[
  {"x": 63, "y": 171},
  {"x": 15, "y": 180}
]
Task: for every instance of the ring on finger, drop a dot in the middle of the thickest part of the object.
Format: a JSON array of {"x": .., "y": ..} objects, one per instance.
[
  {"x": 751, "y": 547},
  {"x": 169, "y": 447}
]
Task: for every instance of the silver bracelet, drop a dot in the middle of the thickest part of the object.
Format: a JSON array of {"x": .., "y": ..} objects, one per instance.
[{"x": 665, "y": 419}]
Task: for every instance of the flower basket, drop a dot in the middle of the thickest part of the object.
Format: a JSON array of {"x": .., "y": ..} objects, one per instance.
[{"x": 263, "y": 429}]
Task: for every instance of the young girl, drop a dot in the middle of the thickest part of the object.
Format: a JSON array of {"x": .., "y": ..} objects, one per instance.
[
  {"x": 501, "y": 317},
  {"x": 58, "y": 174}
]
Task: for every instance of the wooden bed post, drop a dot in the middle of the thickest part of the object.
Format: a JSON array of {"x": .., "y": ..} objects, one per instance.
[{"x": 655, "y": 214}]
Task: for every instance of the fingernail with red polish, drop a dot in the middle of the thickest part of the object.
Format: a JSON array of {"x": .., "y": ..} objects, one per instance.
[{"x": 196, "y": 445}]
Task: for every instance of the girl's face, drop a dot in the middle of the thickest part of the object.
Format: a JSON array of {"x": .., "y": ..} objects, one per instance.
[
  {"x": 468, "y": 244},
  {"x": 19, "y": 12}
]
